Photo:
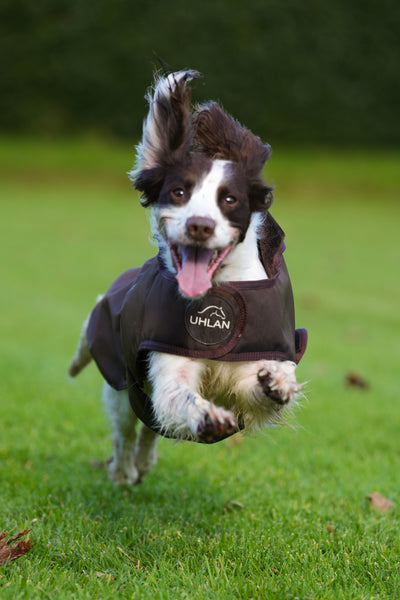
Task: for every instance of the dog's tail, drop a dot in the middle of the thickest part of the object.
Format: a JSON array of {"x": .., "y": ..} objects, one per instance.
[{"x": 82, "y": 355}]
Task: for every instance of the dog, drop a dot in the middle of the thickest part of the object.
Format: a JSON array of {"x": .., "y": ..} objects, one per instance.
[{"x": 199, "y": 343}]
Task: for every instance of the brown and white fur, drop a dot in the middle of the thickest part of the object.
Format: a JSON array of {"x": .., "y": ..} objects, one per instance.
[{"x": 200, "y": 174}]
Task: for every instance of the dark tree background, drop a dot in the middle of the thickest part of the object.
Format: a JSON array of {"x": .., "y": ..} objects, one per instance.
[{"x": 301, "y": 71}]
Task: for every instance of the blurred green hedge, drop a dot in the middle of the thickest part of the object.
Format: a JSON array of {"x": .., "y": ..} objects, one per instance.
[{"x": 295, "y": 71}]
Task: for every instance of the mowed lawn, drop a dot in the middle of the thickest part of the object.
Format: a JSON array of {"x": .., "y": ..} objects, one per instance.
[{"x": 283, "y": 514}]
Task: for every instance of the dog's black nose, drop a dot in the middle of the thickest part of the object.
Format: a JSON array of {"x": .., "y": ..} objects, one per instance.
[{"x": 200, "y": 228}]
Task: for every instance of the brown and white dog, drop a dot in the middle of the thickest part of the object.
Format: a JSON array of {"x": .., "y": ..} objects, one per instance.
[{"x": 199, "y": 171}]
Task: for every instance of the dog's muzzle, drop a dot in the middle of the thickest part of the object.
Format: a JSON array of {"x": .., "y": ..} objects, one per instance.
[{"x": 196, "y": 267}]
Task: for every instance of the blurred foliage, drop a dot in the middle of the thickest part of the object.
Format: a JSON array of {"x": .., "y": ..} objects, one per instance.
[{"x": 298, "y": 72}]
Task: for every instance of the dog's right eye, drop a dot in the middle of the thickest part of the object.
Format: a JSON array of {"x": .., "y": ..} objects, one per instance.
[{"x": 178, "y": 194}]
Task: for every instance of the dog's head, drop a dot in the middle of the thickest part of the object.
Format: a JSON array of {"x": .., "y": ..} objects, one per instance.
[{"x": 200, "y": 172}]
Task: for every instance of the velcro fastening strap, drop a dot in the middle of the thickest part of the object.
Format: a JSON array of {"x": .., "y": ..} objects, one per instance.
[{"x": 301, "y": 339}]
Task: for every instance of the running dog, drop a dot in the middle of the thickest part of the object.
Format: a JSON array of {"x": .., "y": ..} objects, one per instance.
[{"x": 200, "y": 341}]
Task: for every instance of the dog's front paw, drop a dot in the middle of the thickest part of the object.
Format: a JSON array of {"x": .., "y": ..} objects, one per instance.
[
  {"x": 278, "y": 381},
  {"x": 216, "y": 425}
]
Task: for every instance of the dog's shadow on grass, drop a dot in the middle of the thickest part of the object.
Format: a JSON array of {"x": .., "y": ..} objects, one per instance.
[{"x": 170, "y": 492}]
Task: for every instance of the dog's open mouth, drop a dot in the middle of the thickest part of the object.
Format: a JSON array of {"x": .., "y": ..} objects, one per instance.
[{"x": 196, "y": 267}]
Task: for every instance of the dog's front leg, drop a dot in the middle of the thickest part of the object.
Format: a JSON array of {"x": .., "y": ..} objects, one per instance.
[
  {"x": 278, "y": 381},
  {"x": 178, "y": 406},
  {"x": 263, "y": 389}
]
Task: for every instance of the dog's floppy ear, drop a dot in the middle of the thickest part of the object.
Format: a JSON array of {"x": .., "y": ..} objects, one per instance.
[
  {"x": 260, "y": 195},
  {"x": 167, "y": 129},
  {"x": 220, "y": 136},
  {"x": 150, "y": 182}
]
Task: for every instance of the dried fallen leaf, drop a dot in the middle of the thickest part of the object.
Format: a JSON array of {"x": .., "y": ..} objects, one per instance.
[
  {"x": 379, "y": 502},
  {"x": 310, "y": 301},
  {"x": 14, "y": 547},
  {"x": 98, "y": 464},
  {"x": 331, "y": 529},
  {"x": 355, "y": 380}
]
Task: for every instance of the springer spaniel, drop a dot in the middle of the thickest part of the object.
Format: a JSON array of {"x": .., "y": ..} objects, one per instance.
[{"x": 200, "y": 341}]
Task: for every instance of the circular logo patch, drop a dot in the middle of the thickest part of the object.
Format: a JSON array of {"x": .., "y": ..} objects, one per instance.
[{"x": 212, "y": 319}]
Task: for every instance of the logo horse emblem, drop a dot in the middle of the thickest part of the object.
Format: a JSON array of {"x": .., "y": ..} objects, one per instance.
[
  {"x": 210, "y": 320},
  {"x": 218, "y": 311}
]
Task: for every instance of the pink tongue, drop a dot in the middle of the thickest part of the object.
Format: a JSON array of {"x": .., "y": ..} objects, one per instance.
[{"x": 193, "y": 278}]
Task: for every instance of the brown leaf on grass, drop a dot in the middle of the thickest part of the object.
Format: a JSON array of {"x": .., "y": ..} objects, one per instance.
[
  {"x": 379, "y": 502},
  {"x": 310, "y": 301},
  {"x": 355, "y": 380},
  {"x": 331, "y": 529},
  {"x": 14, "y": 547},
  {"x": 100, "y": 464}
]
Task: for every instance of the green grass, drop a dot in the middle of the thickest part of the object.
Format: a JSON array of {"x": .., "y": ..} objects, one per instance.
[{"x": 282, "y": 515}]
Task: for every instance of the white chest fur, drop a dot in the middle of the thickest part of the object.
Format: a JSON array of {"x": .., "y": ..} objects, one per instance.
[{"x": 243, "y": 263}]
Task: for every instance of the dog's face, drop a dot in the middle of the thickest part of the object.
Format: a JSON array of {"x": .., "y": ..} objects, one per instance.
[
  {"x": 202, "y": 213},
  {"x": 200, "y": 175}
]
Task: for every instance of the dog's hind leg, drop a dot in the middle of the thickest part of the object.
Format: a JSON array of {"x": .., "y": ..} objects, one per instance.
[
  {"x": 146, "y": 452},
  {"x": 121, "y": 468}
]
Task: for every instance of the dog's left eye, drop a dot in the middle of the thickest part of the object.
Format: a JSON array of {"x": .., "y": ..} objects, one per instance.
[
  {"x": 178, "y": 194},
  {"x": 231, "y": 200}
]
